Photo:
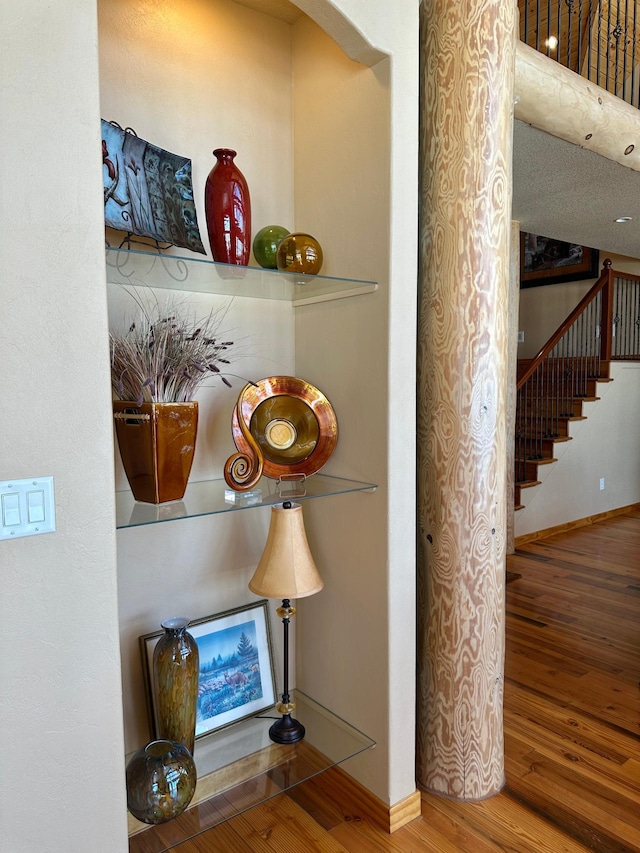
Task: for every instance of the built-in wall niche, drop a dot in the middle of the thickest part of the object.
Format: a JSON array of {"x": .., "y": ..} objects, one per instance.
[{"x": 192, "y": 76}]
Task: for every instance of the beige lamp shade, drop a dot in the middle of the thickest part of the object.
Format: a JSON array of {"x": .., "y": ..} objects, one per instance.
[{"x": 286, "y": 568}]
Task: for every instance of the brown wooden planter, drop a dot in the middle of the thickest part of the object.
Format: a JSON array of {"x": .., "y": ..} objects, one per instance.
[{"x": 157, "y": 442}]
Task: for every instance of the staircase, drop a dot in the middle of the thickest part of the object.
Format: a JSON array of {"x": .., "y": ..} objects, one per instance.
[
  {"x": 563, "y": 386},
  {"x": 553, "y": 387}
]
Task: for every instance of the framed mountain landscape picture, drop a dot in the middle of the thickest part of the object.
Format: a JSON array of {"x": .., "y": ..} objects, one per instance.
[{"x": 236, "y": 672}]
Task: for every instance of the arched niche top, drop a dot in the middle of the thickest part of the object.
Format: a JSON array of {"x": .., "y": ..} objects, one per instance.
[
  {"x": 333, "y": 21},
  {"x": 343, "y": 31}
]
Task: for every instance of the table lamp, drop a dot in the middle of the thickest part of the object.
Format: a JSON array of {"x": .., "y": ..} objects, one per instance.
[{"x": 286, "y": 570}]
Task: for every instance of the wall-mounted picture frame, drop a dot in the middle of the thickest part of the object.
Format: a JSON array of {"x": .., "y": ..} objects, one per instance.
[
  {"x": 545, "y": 260},
  {"x": 237, "y": 675}
]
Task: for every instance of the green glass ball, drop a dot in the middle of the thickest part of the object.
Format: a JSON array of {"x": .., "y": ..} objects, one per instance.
[
  {"x": 265, "y": 245},
  {"x": 299, "y": 252}
]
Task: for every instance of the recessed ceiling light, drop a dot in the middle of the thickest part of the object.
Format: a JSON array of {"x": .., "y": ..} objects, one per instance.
[
  {"x": 551, "y": 42},
  {"x": 624, "y": 219}
]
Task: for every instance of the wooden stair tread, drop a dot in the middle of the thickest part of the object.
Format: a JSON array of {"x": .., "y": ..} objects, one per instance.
[
  {"x": 528, "y": 484},
  {"x": 543, "y": 460}
]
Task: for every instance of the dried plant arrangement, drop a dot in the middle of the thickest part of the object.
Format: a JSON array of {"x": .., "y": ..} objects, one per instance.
[{"x": 167, "y": 354}]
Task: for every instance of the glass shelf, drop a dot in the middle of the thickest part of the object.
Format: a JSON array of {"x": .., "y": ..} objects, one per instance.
[
  {"x": 239, "y": 767},
  {"x": 208, "y": 498},
  {"x": 201, "y": 275}
]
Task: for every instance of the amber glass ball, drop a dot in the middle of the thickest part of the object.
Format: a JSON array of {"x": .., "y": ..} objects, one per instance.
[{"x": 299, "y": 252}]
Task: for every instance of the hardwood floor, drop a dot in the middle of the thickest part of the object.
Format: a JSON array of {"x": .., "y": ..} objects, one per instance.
[{"x": 572, "y": 725}]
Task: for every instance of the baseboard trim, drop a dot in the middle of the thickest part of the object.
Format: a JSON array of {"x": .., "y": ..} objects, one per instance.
[
  {"x": 573, "y": 525},
  {"x": 405, "y": 811},
  {"x": 388, "y": 818}
]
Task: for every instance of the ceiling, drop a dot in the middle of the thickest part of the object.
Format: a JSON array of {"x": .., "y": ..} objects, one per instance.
[{"x": 564, "y": 191}]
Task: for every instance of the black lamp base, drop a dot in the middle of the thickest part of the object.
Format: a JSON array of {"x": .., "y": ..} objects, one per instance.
[{"x": 286, "y": 730}]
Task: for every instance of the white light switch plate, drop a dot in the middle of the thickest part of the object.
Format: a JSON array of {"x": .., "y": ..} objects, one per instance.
[{"x": 27, "y": 507}]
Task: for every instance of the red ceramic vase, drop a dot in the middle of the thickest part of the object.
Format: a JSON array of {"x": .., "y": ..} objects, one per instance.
[{"x": 227, "y": 208}]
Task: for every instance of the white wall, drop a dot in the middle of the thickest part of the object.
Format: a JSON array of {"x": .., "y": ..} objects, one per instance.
[
  {"x": 606, "y": 445},
  {"x": 61, "y": 784}
]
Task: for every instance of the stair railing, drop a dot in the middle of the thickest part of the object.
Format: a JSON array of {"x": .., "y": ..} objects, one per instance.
[
  {"x": 625, "y": 342},
  {"x": 558, "y": 377},
  {"x": 604, "y": 327}
]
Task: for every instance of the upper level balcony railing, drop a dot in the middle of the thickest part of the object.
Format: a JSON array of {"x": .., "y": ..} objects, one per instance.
[{"x": 598, "y": 40}]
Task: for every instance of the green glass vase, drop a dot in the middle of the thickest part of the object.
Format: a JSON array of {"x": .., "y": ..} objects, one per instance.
[{"x": 175, "y": 675}]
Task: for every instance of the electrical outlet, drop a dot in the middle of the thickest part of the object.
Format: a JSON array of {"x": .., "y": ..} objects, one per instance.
[
  {"x": 520, "y": 337},
  {"x": 601, "y": 484}
]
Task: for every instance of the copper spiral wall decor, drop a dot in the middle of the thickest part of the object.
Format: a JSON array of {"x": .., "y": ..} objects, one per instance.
[{"x": 281, "y": 425}]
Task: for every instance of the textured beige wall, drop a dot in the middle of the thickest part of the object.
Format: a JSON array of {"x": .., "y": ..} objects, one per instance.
[
  {"x": 61, "y": 708},
  {"x": 543, "y": 309},
  {"x": 380, "y": 369},
  {"x": 369, "y": 576},
  {"x": 605, "y": 445}
]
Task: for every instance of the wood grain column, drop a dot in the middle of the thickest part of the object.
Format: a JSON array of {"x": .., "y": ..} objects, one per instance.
[{"x": 467, "y": 77}]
